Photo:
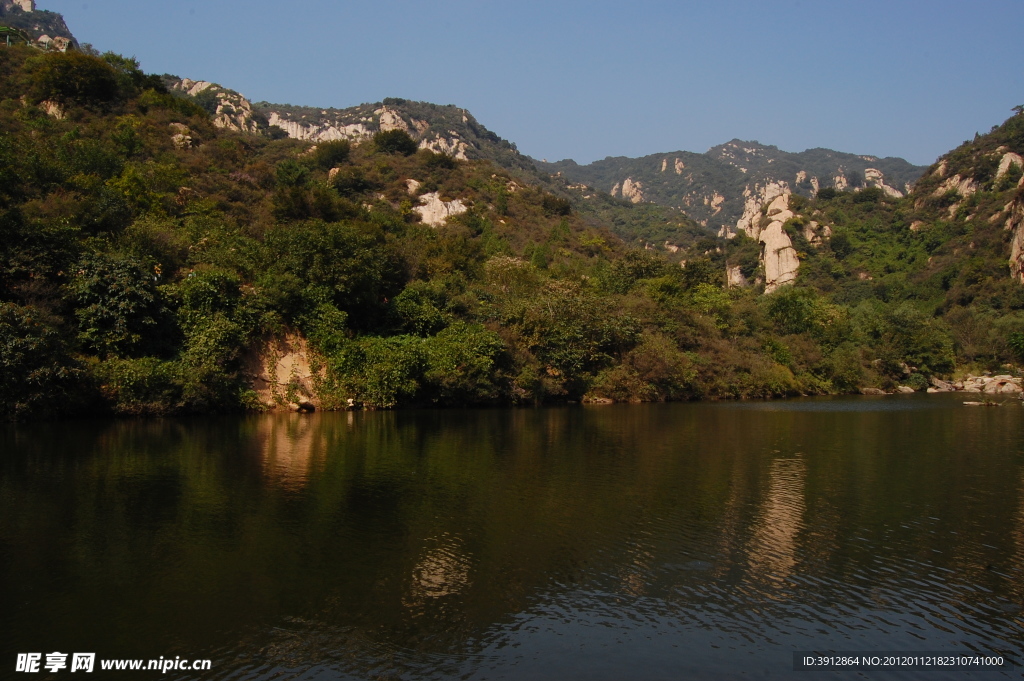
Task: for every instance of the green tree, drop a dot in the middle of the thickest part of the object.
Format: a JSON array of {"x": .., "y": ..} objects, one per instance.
[
  {"x": 117, "y": 305},
  {"x": 36, "y": 372},
  {"x": 394, "y": 142}
]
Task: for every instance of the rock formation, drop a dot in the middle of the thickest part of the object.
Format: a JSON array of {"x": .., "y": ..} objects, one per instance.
[
  {"x": 634, "y": 191},
  {"x": 434, "y": 211},
  {"x": 753, "y": 200},
  {"x": 281, "y": 374},
  {"x": 1009, "y": 159},
  {"x": 319, "y": 132},
  {"x": 233, "y": 111},
  {"x": 734, "y": 277},
  {"x": 777, "y": 253},
  {"x": 1015, "y": 224},
  {"x": 876, "y": 178}
]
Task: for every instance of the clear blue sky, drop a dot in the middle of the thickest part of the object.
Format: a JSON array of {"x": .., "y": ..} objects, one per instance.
[{"x": 586, "y": 80}]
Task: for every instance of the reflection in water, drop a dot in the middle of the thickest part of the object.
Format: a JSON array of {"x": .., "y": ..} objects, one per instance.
[
  {"x": 443, "y": 571},
  {"x": 288, "y": 447},
  {"x": 772, "y": 553},
  {"x": 656, "y": 541}
]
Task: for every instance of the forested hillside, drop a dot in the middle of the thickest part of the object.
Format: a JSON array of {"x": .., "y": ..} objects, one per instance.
[{"x": 149, "y": 260}]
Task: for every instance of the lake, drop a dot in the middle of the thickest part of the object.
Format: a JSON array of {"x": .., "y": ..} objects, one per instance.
[{"x": 668, "y": 541}]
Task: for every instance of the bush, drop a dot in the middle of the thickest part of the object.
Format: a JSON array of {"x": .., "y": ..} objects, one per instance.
[
  {"x": 73, "y": 77},
  {"x": 118, "y": 308},
  {"x": 327, "y": 155},
  {"x": 146, "y": 386},
  {"x": 36, "y": 372},
  {"x": 555, "y": 205},
  {"x": 394, "y": 142},
  {"x": 462, "y": 365}
]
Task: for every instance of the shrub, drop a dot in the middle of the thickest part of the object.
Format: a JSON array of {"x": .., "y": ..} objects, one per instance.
[
  {"x": 330, "y": 154},
  {"x": 36, "y": 372},
  {"x": 145, "y": 386},
  {"x": 73, "y": 77},
  {"x": 394, "y": 142},
  {"x": 118, "y": 307},
  {"x": 462, "y": 363}
]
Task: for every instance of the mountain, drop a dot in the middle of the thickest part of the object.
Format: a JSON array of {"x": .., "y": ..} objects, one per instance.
[
  {"x": 679, "y": 198},
  {"x": 726, "y": 186},
  {"x": 443, "y": 129},
  {"x": 166, "y": 248},
  {"x": 36, "y": 23}
]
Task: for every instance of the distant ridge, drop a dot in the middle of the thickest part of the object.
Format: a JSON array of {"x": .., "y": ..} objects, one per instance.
[{"x": 37, "y": 23}]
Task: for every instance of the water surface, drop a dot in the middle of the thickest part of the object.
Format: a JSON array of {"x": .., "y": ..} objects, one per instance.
[{"x": 679, "y": 541}]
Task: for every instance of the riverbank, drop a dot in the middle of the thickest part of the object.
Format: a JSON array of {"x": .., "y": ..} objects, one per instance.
[{"x": 1002, "y": 384}]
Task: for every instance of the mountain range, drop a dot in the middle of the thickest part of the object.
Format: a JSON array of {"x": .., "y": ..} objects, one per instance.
[{"x": 168, "y": 246}]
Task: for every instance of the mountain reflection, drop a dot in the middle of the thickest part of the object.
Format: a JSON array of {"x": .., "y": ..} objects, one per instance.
[
  {"x": 772, "y": 553},
  {"x": 395, "y": 545}
]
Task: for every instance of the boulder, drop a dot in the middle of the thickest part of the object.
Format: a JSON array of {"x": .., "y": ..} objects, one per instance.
[
  {"x": 780, "y": 260},
  {"x": 905, "y": 390},
  {"x": 872, "y": 391}
]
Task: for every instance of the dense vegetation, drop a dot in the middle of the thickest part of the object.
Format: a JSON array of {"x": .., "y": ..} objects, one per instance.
[{"x": 141, "y": 266}]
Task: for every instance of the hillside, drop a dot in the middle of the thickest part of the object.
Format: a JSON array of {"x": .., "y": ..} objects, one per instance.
[
  {"x": 37, "y": 23},
  {"x": 441, "y": 129},
  {"x": 159, "y": 254},
  {"x": 724, "y": 187}
]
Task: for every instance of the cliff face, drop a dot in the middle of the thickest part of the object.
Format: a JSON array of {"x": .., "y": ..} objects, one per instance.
[{"x": 443, "y": 129}]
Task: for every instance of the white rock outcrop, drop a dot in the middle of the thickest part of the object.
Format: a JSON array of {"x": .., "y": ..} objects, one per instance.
[
  {"x": 1009, "y": 159},
  {"x": 876, "y": 178},
  {"x": 181, "y": 135},
  {"x": 281, "y": 374},
  {"x": 964, "y": 186},
  {"x": 664, "y": 164},
  {"x": 680, "y": 167},
  {"x": 777, "y": 253},
  {"x": 632, "y": 190},
  {"x": 780, "y": 260},
  {"x": 53, "y": 109},
  {"x": 434, "y": 211},
  {"x": 320, "y": 132},
  {"x": 453, "y": 147},
  {"x": 1015, "y": 223},
  {"x": 840, "y": 182},
  {"x": 391, "y": 120},
  {"x": 734, "y": 277},
  {"x": 234, "y": 112},
  {"x": 715, "y": 202},
  {"x": 753, "y": 199}
]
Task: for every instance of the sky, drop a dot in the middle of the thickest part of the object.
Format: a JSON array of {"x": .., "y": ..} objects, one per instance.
[{"x": 586, "y": 80}]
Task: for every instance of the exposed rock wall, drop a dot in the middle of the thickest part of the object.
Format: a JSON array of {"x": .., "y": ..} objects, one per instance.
[
  {"x": 876, "y": 178},
  {"x": 780, "y": 260},
  {"x": 316, "y": 132},
  {"x": 281, "y": 374},
  {"x": 1009, "y": 159},
  {"x": 632, "y": 190},
  {"x": 1015, "y": 224},
  {"x": 753, "y": 200},
  {"x": 433, "y": 211}
]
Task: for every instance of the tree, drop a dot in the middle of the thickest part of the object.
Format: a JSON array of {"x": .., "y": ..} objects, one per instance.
[
  {"x": 35, "y": 369},
  {"x": 118, "y": 307},
  {"x": 394, "y": 142},
  {"x": 73, "y": 78}
]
